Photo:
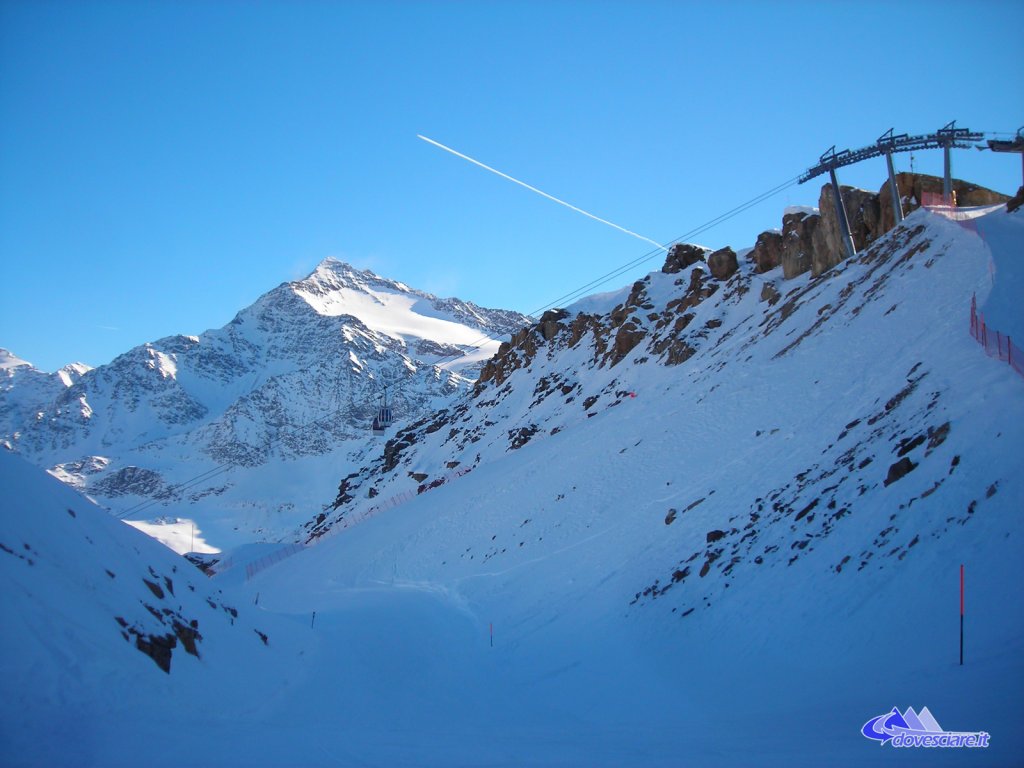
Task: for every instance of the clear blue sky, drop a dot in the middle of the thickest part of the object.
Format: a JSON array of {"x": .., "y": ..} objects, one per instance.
[{"x": 163, "y": 164}]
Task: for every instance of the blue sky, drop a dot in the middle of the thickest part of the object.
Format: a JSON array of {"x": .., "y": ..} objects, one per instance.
[{"x": 164, "y": 164}]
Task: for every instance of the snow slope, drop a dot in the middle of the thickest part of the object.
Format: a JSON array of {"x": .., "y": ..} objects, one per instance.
[
  {"x": 1003, "y": 235},
  {"x": 672, "y": 575},
  {"x": 722, "y": 570},
  {"x": 80, "y": 593}
]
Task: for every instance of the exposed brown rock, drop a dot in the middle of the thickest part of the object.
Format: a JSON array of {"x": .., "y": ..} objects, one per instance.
[
  {"x": 682, "y": 255},
  {"x": 864, "y": 215},
  {"x": 767, "y": 252},
  {"x": 770, "y": 294},
  {"x": 912, "y": 188},
  {"x": 549, "y": 323},
  {"x": 723, "y": 264},
  {"x": 797, "y": 242},
  {"x": 627, "y": 337}
]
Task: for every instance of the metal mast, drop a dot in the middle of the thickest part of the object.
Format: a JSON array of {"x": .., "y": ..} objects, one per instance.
[
  {"x": 950, "y": 136},
  {"x": 886, "y": 143}
]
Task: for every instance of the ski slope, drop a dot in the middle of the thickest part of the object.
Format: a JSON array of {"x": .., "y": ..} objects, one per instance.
[{"x": 719, "y": 571}]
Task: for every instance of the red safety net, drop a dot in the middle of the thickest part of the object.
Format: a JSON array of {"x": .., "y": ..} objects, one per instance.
[
  {"x": 995, "y": 343},
  {"x": 937, "y": 200}
]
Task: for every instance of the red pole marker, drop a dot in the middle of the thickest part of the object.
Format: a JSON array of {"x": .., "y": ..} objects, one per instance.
[{"x": 961, "y": 614}]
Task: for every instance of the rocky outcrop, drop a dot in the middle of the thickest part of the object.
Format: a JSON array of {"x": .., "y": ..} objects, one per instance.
[
  {"x": 812, "y": 242},
  {"x": 863, "y": 213},
  {"x": 723, "y": 264},
  {"x": 682, "y": 255},
  {"x": 798, "y": 242},
  {"x": 767, "y": 251},
  {"x": 914, "y": 186},
  {"x": 549, "y": 323},
  {"x": 136, "y": 481}
]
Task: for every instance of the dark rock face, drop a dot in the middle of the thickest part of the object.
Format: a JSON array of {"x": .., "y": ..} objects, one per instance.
[
  {"x": 1015, "y": 202},
  {"x": 723, "y": 264},
  {"x": 767, "y": 253},
  {"x": 681, "y": 256},
  {"x": 548, "y": 325},
  {"x": 798, "y": 231},
  {"x": 900, "y": 469},
  {"x": 131, "y": 480},
  {"x": 864, "y": 215},
  {"x": 158, "y": 648}
]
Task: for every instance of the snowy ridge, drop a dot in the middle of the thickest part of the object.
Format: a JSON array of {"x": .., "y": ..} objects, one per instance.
[
  {"x": 292, "y": 381},
  {"x": 697, "y": 343}
]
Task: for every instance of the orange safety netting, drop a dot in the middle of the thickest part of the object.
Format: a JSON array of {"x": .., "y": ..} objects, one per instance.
[{"x": 995, "y": 343}]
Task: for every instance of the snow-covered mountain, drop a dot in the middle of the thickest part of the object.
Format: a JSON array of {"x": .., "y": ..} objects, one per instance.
[
  {"x": 720, "y": 506},
  {"x": 25, "y": 391},
  {"x": 249, "y": 417},
  {"x": 100, "y": 620},
  {"x": 700, "y": 521}
]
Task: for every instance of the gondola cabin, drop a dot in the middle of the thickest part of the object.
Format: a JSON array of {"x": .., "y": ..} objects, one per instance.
[{"x": 382, "y": 420}]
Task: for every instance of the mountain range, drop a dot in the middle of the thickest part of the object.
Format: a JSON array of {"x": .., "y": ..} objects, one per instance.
[{"x": 192, "y": 422}]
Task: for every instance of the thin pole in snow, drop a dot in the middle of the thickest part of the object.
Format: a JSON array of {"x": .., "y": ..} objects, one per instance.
[
  {"x": 961, "y": 614},
  {"x": 313, "y": 620},
  {"x": 491, "y": 625}
]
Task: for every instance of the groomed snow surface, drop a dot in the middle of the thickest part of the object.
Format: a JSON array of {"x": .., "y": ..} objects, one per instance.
[{"x": 777, "y": 665}]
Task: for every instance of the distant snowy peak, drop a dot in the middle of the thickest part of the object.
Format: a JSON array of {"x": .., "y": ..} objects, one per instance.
[
  {"x": 72, "y": 372},
  {"x": 336, "y": 288},
  {"x": 9, "y": 360},
  {"x": 299, "y": 374},
  {"x": 332, "y": 273},
  {"x": 25, "y": 390}
]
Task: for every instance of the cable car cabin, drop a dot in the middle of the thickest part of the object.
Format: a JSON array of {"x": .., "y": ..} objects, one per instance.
[{"x": 382, "y": 420}]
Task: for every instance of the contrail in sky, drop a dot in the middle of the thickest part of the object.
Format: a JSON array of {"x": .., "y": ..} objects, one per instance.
[{"x": 541, "y": 193}]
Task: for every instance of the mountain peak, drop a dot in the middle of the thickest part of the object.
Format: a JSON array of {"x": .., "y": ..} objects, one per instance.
[
  {"x": 9, "y": 360},
  {"x": 333, "y": 273}
]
